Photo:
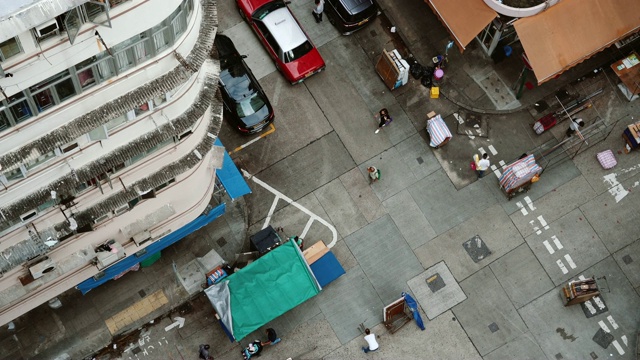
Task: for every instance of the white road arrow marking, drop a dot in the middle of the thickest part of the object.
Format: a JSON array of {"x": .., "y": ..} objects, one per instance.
[{"x": 179, "y": 322}]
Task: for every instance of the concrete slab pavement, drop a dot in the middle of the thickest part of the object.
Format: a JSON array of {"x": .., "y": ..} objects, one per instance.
[
  {"x": 449, "y": 246},
  {"x": 357, "y": 184},
  {"x": 487, "y": 316},
  {"x": 411, "y": 222},
  {"x": 443, "y": 205},
  {"x": 349, "y": 301},
  {"x": 436, "y": 290},
  {"x": 381, "y": 243},
  {"x": 521, "y": 276},
  {"x": 573, "y": 333},
  {"x": 571, "y": 247},
  {"x": 342, "y": 211}
]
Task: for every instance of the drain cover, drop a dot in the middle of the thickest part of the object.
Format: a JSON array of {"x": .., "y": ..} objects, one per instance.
[{"x": 476, "y": 248}]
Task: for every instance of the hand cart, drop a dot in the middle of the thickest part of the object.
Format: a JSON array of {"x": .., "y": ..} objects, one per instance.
[{"x": 518, "y": 176}]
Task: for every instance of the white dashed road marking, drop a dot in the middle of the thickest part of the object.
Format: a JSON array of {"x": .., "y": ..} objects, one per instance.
[
  {"x": 278, "y": 196},
  {"x": 493, "y": 150},
  {"x": 612, "y": 322},
  {"x": 548, "y": 246},
  {"x": 562, "y": 267},
  {"x": 570, "y": 261},
  {"x": 557, "y": 242},
  {"x": 616, "y": 344}
]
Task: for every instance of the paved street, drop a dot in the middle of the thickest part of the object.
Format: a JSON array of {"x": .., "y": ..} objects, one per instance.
[
  {"x": 415, "y": 222},
  {"x": 502, "y": 262}
]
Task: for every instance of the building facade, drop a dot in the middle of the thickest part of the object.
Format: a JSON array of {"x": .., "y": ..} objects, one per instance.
[{"x": 108, "y": 119}]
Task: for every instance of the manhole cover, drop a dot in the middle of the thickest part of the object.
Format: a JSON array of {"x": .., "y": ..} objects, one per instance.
[
  {"x": 142, "y": 293},
  {"x": 221, "y": 242},
  {"x": 476, "y": 248},
  {"x": 493, "y": 327},
  {"x": 627, "y": 259},
  {"x": 603, "y": 338},
  {"x": 435, "y": 282}
]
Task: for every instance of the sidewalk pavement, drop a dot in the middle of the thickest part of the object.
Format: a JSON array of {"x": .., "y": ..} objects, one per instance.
[{"x": 413, "y": 222}]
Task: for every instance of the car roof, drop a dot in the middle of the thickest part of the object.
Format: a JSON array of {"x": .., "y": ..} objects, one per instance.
[
  {"x": 355, "y": 6},
  {"x": 285, "y": 29}
]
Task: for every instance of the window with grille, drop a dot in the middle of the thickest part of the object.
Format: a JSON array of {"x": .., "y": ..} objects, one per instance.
[{"x": 9, "y": 48}]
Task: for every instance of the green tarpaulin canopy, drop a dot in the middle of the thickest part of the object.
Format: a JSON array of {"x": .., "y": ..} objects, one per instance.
[{"x": 263, "y": 290}]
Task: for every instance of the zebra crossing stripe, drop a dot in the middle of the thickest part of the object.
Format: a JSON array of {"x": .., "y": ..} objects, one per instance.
[
  {"x": 548, "y": 246},
  {"x": 612, "y": 322},
  {"x": 529, "y": 203},
  {"x": 562, "y": 267},
  {"x": 618, "y": 347},
  {"x": 557, "y": 242},
  {"x": 570, "y": 261},
  {"x": 522, "y": 209},
  {"x": 604, "y": 326},
  {"x": 590, "y": 306}
]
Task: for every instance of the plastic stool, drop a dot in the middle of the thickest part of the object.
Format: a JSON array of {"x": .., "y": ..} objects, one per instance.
[{"x": 435, "y": 92}]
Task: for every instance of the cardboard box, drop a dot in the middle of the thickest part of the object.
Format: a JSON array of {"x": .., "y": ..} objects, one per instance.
[{"x": 315, "y": 252}]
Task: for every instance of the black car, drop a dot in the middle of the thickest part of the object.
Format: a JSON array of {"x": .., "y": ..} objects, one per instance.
[
  {"x": 245, "y": 103},
  {"x": 350, "y": 15}
]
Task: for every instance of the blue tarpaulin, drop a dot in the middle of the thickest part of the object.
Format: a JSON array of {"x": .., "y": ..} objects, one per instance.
[
  {"x": 327, "y": 269},
  {"x": 413, "y": 305},
  {"x": 129, "y": 262},
  {"x": 231, "y": 178}
]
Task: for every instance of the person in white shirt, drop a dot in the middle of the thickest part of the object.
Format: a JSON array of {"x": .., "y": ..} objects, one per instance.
[
  {"x": 318, "y": 9},
  {"x": 483, "y": 165},
  {"x": 371, "y": 341},
  {"x": 574, "y": 125}
]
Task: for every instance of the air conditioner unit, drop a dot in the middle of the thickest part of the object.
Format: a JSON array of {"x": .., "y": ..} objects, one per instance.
[
  {"x": 39, "y": 269},
  {"x": 47, "y": 29},
  {"x": 141, "y": 237},
  {"x": 106, "y": 258},
  {"x": 121, "y": 210}
]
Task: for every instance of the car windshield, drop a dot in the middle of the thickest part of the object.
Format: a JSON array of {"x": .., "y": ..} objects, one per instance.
[
  {"x": 267, "y": 8},
  {"x": 297, "y": 52},
  {"x": 250, "y": 105}
]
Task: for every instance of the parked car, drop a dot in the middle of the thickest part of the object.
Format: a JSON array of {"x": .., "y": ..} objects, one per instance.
[
  {"x": 245, "y": 104},
  {"x": 280, "y": 33},
  {"x": 350, "y": 15}
]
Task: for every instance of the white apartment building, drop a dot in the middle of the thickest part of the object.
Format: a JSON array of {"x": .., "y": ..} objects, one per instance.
[{"x": 108, "y": 118}]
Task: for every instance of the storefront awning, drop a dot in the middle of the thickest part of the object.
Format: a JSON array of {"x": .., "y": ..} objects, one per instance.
[
  {"x": 464, "y": 19},
  {"x": 574, "y": 30}
]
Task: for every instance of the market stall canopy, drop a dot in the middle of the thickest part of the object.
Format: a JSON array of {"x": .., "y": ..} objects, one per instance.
[
  {"x": 464, "y": 19},
  {"x": 573, "y": 30},
  {"x": 263, "y": 290}
]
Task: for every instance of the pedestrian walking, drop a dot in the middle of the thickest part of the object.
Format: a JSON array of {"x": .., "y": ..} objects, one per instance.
[
  {"x": 370, "y": 338},
  {"x": 318, "y": 10},
  {"x": 374, "y": 174},
  {"x": 384, "y": 118},
  {"x": 204, "y": 352},
  {"x": 574, "y": 125},
  {"x": 272, "y": 337},
  {"x": 482, "y": 165}
]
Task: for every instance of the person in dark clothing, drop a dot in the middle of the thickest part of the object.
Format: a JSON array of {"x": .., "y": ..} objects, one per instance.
[
  {"x": 272, "y": 337},
  {"x": 204, "y": 352},
  {"x": 384, "y": 118}
]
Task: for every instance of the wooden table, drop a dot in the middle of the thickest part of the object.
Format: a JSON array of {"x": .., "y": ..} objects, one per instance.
[{"x": 630, "y": 77}]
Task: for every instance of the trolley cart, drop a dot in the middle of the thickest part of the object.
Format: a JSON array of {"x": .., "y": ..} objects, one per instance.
[
  {"x": 439, "y": 133},
  {"x": 518, "y": 176}
]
